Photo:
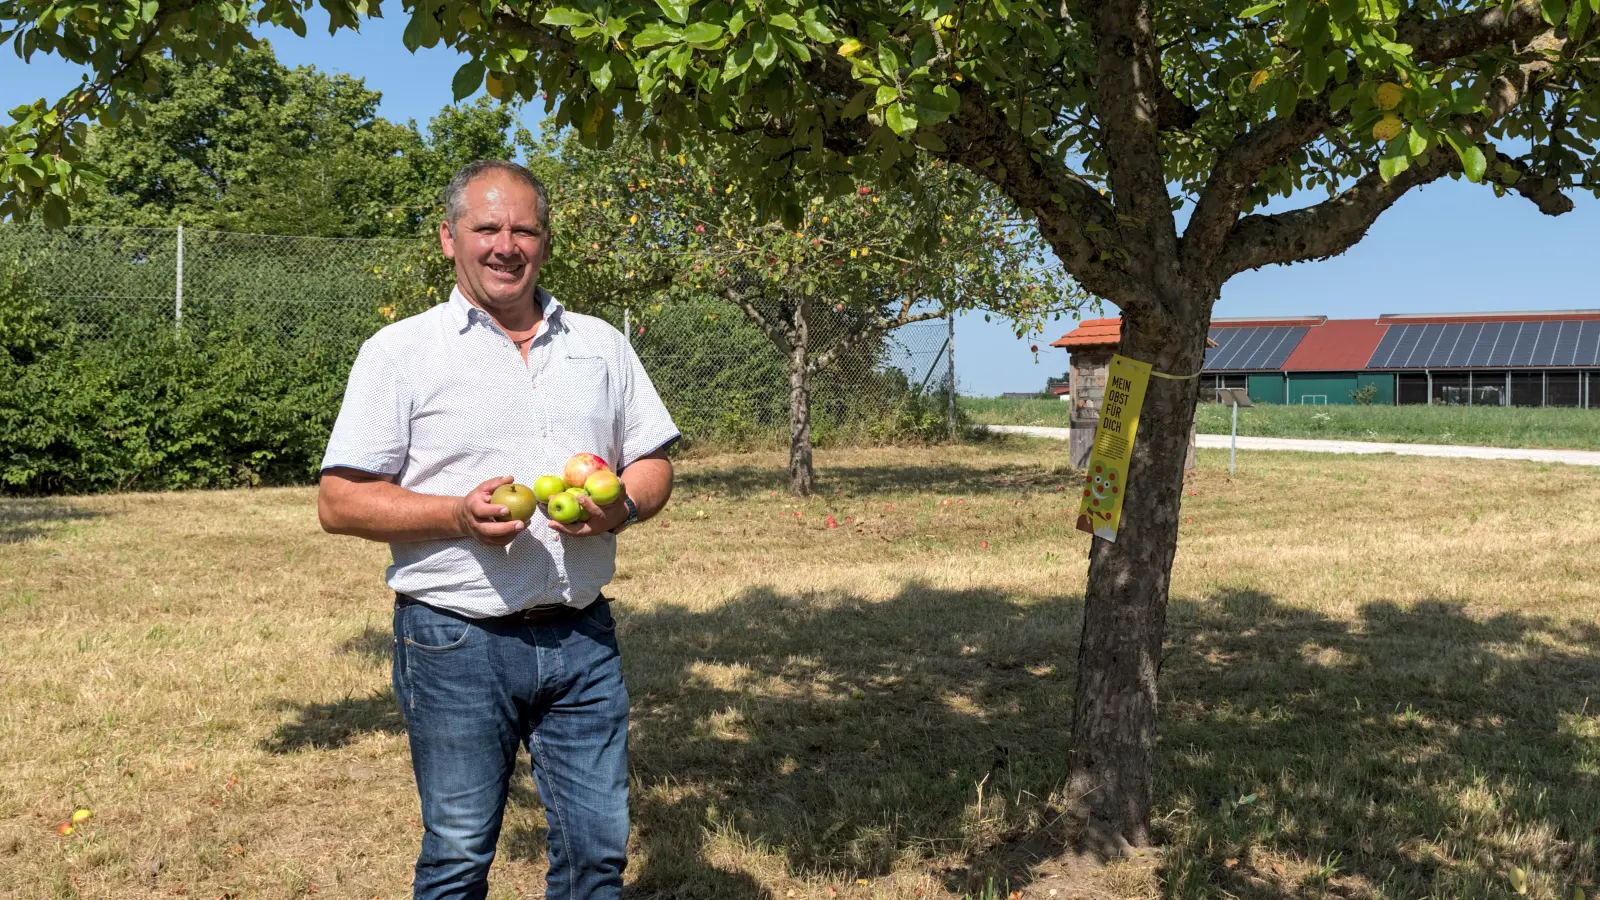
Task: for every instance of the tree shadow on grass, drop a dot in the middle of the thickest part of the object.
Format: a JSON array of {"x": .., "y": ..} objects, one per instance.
[
  {"x": 328, "y": 726},
  {"x": 27, "y": 518},
  {"x": 1412, "y": 751},
  {"x": 375, "y": 645},
  {"x": 1403, "y": 752},
  {"x": 841, "y": 734}
]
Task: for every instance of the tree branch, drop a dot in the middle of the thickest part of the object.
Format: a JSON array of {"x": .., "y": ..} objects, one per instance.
[
  {"x": 851, "y": 341},
  {"x": 1546, "y": 197},
  {"x": 1172, "y": 113},
  {"x": 978, "y": 138},
  {"x": 1328, "y": 228},
  {"x": 1129, "y": 86},
  {"x": 1236, "y": 172},
  {"x": 1333, "y": 226},
  {"x": 774, "y": 332},
  {"x": 1452, "y": 37}
]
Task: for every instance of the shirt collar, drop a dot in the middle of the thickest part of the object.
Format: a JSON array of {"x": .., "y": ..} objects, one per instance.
[{"x": 467, "y": 315}]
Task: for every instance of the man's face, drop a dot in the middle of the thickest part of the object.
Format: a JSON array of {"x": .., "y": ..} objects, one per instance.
[{"x": 498, "y": 245}]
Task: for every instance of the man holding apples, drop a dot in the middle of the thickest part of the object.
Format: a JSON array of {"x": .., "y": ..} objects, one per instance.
[{"x": 502, "y": 637}]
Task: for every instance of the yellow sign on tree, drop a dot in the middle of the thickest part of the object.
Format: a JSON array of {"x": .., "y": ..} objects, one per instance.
[{"x": 1101, "y": 511}]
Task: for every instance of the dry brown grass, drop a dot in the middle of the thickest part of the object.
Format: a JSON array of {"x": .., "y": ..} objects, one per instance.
[{"x": 1394, "y": 655}]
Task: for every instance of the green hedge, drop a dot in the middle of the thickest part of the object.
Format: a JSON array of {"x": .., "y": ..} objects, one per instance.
[{"x": 106, "y": 391}]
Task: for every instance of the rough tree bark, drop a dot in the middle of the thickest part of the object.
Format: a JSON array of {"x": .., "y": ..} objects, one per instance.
[
  {"x": 1124, "y": 617},
  {"x": 801, "y": 475}
]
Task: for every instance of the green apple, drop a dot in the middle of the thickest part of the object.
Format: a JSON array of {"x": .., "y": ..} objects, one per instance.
[
  {"x": 604, "y": 487},
  {"x": 517, "y": 499},
  {"x": 547, "y": 486},
  {"x": 584, "y": 491},
  {"x": 565, "y": 508}
]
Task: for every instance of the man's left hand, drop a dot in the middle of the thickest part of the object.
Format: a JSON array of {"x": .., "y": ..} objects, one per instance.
[{"x": 601, "y": 518}]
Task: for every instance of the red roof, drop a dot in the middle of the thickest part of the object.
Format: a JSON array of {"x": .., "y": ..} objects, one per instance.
[
  {"x": 1097, "y": 333},
  {"x": 1329, "y": 345},
  {"x": 1092, "y": 333},
  {"x": 1340, "y": 345}
]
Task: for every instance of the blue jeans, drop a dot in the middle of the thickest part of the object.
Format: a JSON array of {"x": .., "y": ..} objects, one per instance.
[{"x": 473, "y": 691}]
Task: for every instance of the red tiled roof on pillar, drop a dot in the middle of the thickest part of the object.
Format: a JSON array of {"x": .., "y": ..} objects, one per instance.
[
  {"x": 1097, "y": 333},
  {"x": 1091, "y": 333}
]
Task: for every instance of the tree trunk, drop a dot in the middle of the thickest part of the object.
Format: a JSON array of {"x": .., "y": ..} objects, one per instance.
[
  {"x": 800, "y": 471},
  {"x": 1124, "y": 616}
]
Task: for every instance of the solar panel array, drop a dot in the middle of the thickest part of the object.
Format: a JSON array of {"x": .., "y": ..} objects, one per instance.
[
  {"x": 1266, "y": 347},
  {"x": 1474, "y": 345}
]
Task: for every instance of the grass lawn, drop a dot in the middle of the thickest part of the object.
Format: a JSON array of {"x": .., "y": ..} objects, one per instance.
[
  {"x": 1382, "y": 679},
  {"x": 1558, "y": 429}
]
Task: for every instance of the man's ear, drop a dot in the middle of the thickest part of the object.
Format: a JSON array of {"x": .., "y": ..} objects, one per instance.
[{"x": 447, "y": 240}]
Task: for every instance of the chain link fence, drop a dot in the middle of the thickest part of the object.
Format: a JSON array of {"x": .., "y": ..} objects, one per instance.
[{"x": 284, "y": 316}]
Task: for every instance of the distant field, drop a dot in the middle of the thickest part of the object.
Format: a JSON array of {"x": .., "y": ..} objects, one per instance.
[{"x": 1558, "y": 429}]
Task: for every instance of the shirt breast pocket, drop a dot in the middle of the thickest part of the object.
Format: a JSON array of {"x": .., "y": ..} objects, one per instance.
[{"x": 580, "y": 404}]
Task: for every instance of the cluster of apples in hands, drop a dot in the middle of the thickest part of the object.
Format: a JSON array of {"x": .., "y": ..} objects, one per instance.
[{"x": 584, "y": 473}]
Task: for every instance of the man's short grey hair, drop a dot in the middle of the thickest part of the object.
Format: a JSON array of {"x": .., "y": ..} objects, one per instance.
[{"x": 455, "y": 193}]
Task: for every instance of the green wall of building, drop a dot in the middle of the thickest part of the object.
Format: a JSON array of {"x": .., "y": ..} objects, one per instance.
[
  {"x": 1266, "y": 388},
  {"x": 1385, "y": 385},
  {"x": 1320, "y": 387}
]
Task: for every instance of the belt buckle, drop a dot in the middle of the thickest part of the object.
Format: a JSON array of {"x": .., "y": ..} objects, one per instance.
[{"x": 545, "y": 613}]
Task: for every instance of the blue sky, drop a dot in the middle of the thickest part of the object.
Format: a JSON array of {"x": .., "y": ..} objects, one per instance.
[{"x": 1451, "y": 246}]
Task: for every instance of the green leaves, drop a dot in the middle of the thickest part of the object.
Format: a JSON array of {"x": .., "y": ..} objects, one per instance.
[
  {"x": 467, "y": 80},
  {"x": 1473, "y": 162},
  {"x": 1396, "y": 158},
  {"x": 815, "y": 29},
  {"x": 562, "y": 15},
  {"x": 702, "y": 33},
  {"x": 901, "y": 118},
  {"x": 675, "y": 10},
  {"x": 657, "y": 33}
]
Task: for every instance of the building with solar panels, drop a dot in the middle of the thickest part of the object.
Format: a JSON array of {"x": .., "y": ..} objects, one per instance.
[{"x": 1467, "y": 359}]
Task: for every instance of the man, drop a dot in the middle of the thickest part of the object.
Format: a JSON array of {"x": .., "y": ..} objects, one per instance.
[{"x": 502, "y": 637}]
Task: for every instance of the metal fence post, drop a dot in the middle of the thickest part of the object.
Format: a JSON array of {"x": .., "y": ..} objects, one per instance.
[
  {"x": 627, "y": 326},
  {"x": 950, "y": 344},
  {"x": 177, "y": 303}
]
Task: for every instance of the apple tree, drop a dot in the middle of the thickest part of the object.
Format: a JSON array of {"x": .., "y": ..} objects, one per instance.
[
  {"x": 852, "y": 269},
  {"x": 1103, "y": 119}
]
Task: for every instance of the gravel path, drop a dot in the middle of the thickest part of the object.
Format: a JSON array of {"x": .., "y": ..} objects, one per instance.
[{"x": 1302, "y": 445}]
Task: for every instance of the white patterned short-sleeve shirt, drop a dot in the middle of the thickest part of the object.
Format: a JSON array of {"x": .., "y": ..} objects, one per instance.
[{"x": 443, "y": 401}]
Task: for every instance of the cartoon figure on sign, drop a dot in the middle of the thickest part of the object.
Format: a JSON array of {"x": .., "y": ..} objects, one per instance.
[{"x": 1099, "y": 498}]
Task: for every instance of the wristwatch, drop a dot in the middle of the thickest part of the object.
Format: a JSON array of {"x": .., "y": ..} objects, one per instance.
[{"x": 633, "y": 514}]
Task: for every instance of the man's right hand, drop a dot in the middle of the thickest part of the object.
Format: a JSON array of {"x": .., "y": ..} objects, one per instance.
[{"x": 478, "y": 516}]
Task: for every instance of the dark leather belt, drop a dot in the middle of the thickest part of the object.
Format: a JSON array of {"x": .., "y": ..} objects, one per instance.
[{"x": 543, "y": 614}]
